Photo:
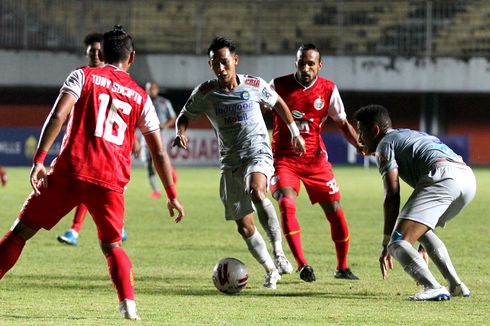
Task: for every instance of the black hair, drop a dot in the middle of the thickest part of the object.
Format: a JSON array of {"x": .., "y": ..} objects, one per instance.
[
  {"x": 220, "y": 42},
  {"x": 92, "y": 38},
  {"x": 117, "y": 45},
  {"x": 310, "y": 46},
  {"x": 374, "y": 114}
]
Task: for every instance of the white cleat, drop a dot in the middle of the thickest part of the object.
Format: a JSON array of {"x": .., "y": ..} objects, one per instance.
[
  {"x": 271, "y": 279},
  {"x": 460, "y": 290},
  {"x": 439, "y": 294},
  {"x": 127, "y": 308},
  {"x": 283, "y": 265}
]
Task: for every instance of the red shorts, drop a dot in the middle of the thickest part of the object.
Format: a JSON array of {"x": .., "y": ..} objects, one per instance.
[
  {"x": 317, "y": 177},
  {"x": 63, "y": 194}
]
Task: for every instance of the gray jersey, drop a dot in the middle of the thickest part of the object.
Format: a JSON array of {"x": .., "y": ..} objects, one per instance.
[
  {"x": 412, "y": 152},
  {"x": 235, "y": 116},
  {"x": 164, "y": 108}
]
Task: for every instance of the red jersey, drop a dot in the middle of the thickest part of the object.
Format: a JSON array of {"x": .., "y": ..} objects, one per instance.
[
  {"x": 99, "y": 137},
  {"x": 310, "y": 107}
]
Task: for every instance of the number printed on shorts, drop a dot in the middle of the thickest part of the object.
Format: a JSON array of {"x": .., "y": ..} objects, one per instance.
[
  {"x": 105, "y": 125},
  {"x": 332, "y": 184}
]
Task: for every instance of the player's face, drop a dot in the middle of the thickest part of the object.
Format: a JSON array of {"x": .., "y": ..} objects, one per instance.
[
  {"x": 92, "y": 54},
  {"x": 152, "y": 90},
  {"x": 308, "y": 65},
  {"x": 223, "y": 63},
  {"x": 367, "y": 136}
]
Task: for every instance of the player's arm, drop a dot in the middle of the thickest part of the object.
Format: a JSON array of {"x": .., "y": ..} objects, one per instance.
[
  {"x": 163, "y": 167},
  {"x": 391, "y": 207},
  {"x": 283, "y": 111},
  {"x": 52, "y": 127},
  {"x": 349, "y": 133},
  {"x": 181, "y": 124}
]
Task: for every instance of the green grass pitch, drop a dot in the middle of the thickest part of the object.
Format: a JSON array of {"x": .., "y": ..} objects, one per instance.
[{"x": 53, "y": 284}]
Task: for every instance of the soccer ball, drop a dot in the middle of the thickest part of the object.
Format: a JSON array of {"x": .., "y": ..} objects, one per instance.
[{"x": 230, "y": 275}]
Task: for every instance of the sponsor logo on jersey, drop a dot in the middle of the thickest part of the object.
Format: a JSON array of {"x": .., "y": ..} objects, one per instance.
[
  {"x": 226, "y": 109},
  {"x": 253, "y": 82},
  {"x": 319, "y": 103},
  {"x": 266, "y": 93},
  {"x": 245, "y": 95},
  {"x": 297, "y": 114}
]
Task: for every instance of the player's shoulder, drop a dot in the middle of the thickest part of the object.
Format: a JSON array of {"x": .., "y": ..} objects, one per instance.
[
  {"x": 207, "y": 86},
  {"x": 326, "y": 82},
  {"x": 251, "y": 80},
  {"x": 284, "y": 79}
]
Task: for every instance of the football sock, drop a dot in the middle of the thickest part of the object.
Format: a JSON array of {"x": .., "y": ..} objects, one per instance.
[
  {"x": 79, "y": 217},
  {"x": 291, "y": 229},
  {"x": 413, "y": 263},
  {"x": 11, "y": 247},
  {"x": 339, "y": 232},
  {"x": 153, "y": 183},
  {"x": 121, "y": 272},
  {"x": 258, "y": 249},
  {"x": 268, "y": 220},
  {"x": 438, "y": 253}
]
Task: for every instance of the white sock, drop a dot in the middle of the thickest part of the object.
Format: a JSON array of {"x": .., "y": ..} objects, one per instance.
[
  {"x": 268, "y": 219},
  {"x": 75, "y": 233},
  {"x": 153, "y": 183},
  {"x": 413, "y": 263},
  {"x": 437, "y": 251},
  {"x": 258, "y": 249}
]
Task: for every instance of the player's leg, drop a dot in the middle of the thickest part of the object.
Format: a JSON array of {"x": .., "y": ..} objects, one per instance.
[
  {"x": 406, "y": 233},
  {"x": 12, "y": 244},
  {"x": 3, "y": 176},
  {"x": 70, "y": 237},
  {"x": 107, "y": 210},
  {"x": 152, "y": 177},
  {"x": 257, "y": 178},
  {"x": 257, "y": 247}
]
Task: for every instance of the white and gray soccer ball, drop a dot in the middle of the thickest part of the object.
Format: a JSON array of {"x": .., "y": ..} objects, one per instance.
[{"x": 230, "y": 275}]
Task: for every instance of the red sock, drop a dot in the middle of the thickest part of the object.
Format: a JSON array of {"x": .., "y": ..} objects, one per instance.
[
  {"x": 11, "y": 247},
  {"x": 79, "y": 217},
  {"x": 340, "y": 236},
  {"x": 121, "y": 272},
  {"x": 291, "y": 229}
]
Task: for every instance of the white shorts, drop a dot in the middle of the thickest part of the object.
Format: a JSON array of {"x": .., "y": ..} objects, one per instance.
[
  {"x": 234, "y": 187},
  {"x": 440, "y": 195}
]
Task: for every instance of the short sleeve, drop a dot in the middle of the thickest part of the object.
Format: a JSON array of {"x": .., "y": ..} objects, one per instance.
[
  {"x": 194, "y": 105},
  {"x": 74, "y": 83},
  {"x": 336, "y": 108},
  {"x": 267, "y": 94},
  {"x": 385, "y": 158},
  {"x": 148, "y": 121}
]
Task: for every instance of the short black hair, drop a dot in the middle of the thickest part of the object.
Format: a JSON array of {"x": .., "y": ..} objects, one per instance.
[
  {"x": 117, "y": 45},
  {"x": 310, "y": 46},
  {"x": 220, "y": 42},
  {"x": 92, "y": 38},
  {"x": 374, "y": 113}
]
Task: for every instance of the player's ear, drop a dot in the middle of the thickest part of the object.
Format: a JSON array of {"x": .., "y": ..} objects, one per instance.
[
  {"x": 132, "y": 56},
  {"x": 236, "y": 57},
  {"x": 320, "y": 65}
]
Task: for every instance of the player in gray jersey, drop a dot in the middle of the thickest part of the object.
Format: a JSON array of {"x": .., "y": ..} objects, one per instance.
[
  {"x": 232, "y": 103},
  {"x": 443, "y": 185}
]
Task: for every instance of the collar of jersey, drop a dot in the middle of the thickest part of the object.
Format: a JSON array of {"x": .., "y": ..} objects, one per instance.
[{"x": 305, "y": 87}]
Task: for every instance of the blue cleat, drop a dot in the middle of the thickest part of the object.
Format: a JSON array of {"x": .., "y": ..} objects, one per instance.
[
  {"x": 69, "y": 238},
  {"x": 124, "y": 235}
]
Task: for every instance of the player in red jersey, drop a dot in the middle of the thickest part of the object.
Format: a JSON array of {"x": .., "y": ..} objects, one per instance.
[
  {"x": 103, "y": 106},
  {"x": 3, "y": 176},
  {"x": 312, "y": 100}
]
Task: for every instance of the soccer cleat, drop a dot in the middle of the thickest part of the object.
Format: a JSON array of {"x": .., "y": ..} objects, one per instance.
[
  {"x": 283, "y": 265},
  {"x": 124, "y": 235},
  {"x": 460, "y": 290},
  {"x": 271, "y": 279},
  {"x": 69, "y": 237},
  {"x": 439, "y": 294},
  {"x": 306, "y": 274},
  {"x": 127, "y": 308},
  {"x": 345, "y": 274},
  {"x": 156, "y": 194}
]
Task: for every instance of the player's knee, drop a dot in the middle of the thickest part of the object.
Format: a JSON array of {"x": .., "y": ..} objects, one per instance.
[
  {"x": 396, "y": 244},
  {"x": 107, "y": 247},
  {"x": 257, "y": 193},
  {"x": 330, "y": 206},
  {"x": 286, "y": 204}
]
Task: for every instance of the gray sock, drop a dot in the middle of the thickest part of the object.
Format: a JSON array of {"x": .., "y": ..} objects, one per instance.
[
  {"x": 268, "y": 219},
  {"x": 258, "y": 249}
]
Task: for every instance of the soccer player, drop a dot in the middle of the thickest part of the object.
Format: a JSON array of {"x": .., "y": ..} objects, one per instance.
[
  {"x": 3, "y": 176},
  {"x": 232, "y": 103},
  {"x": 93, "y": 45},
  {"x": 312, "y": 100},
  {"x": 103, "y": 106},
  {"x": 167, "y": 116},
  {"x": 443, "y": 185}
]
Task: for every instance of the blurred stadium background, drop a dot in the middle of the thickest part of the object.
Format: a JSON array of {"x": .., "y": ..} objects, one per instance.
[{"x": 427, "y": 61}]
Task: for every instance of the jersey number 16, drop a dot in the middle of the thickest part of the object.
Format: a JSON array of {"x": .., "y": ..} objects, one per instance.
[{"x": 105, "y": 126}]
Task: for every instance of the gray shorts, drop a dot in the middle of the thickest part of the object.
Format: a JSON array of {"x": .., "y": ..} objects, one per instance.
[
  {"x": 234, "y": 187},
  {"x": 440, "y": 195}
]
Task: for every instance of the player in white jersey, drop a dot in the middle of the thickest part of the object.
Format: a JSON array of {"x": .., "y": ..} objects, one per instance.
[
  {"x": 443, "y": 185},
  {"x": 232, "y": 103}
]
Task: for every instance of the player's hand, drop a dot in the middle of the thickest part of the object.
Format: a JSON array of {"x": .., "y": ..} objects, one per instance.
[
  {"x": 38, "y": 177},
  {"x": 299, "y": 145},
  {"x": 174, "y": 204},
  {"x": 385, "y": 262},
  {"x": 181, "y": 141}
]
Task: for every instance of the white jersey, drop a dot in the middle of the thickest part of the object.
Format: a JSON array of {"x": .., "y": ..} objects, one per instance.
[{"x": 236, "y": 117}]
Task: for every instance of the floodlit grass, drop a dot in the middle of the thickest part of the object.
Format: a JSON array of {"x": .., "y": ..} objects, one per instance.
[{"x": 53, "y": 284}]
